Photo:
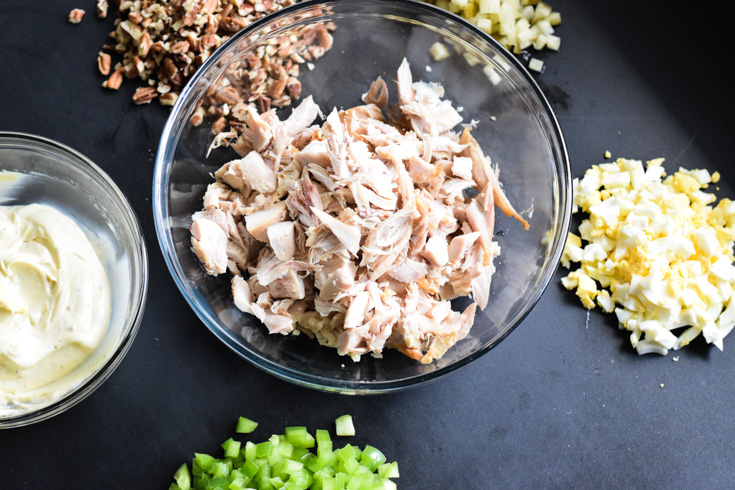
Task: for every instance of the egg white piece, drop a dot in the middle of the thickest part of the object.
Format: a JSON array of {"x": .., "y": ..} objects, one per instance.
[{"x": 657, "y": 253}]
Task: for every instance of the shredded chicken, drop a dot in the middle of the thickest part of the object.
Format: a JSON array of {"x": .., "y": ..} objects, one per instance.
[{"x": 358, "y": 232}]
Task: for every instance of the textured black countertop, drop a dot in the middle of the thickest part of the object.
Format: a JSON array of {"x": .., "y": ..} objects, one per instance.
[{"x": 563, "y": 402}]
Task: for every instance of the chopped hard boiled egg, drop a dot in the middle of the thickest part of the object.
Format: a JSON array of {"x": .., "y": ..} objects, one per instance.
[{"x": 656, "y": 252}]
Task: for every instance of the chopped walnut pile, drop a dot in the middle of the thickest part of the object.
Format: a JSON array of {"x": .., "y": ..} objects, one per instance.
[{"x": 163, "y": 43}]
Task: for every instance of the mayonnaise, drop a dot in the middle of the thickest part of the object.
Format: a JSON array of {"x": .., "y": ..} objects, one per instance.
[{"x": 54, "y": 302}]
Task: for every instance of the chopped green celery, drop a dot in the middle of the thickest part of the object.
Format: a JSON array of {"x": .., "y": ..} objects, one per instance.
[
  {"x": 299, "y": 437},
  {"x": 348, "y": 451},
  {"x": 205, "y": 461},
  {"x": 346, "y": 462},
  {"x": 276, "y": 457},
  {"x": 301, "y": 477},
  {"x": 324, "y": 459},
  {"x": 263, "y": 449},
  {"x": 238, "y": 483},
  {"x": 249, "y": 469},
  {"x": 249, "y": 451},
  {"x": 182, "y": 477},
  {"x": 361, "y": 482},
  {"x": 286, "y": 448},
  {"x": 371, "y": 458},
  {"x": 290, "y": 485},
  {"x": 329, "y": 483},
  {"x": 262, "y": 479},
  {"x": 231, "y": 447},
  {"x": 285, "y": 462},
  {"x": 277, "y": 482},
  {"x": 290, "y": 466},
  {"x": 342, "y": 479},
  {"x": 199, "y": 481},
  {"x": 387, "y": 485},
  {"x": 220, "y": 469},
  {"x": 344, "y": 425},
  {"x": 236, "y": 473},
  {"x": 235, "y": 462},
  {"x": 307, "y": 457},
  {"x": 299, "y": 453},
  {"x": 327, "y": 471},
  {"x": 389, "y": 470},
  {"x": 245, "y": 426},
  {"x": 216, "y": 483},
  {"x": 322, "y": 436}
]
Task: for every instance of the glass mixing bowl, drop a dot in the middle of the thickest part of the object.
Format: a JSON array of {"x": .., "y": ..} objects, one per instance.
[
  {"x": 515, "y": 126},
  {"x": 34, "y": 169}
]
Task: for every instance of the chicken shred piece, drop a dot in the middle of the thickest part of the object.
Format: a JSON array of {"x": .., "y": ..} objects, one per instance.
[{"x": 357, "y": 232}]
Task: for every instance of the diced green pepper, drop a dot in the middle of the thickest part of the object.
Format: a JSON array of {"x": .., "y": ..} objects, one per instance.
[
  {"x": 182, "y": 477},
  {"x": 249, "y": 451},
  {"x": 285, "y": 462},
  {"x": 389, "y": 470},
  {"x": 245, "y": 426},
  {"x": 250, "y": 469},
  {"x": 263, "y": 449},
  {"x": 238, "y": 483},
  {"x": 231, "y": 447},
  {"x": 205, "y": 461},
  {"x": 220, "y": 469},
  {"x": 372, "y": 458},
  {"x": 217, "y": 483},
  {"x": 344, "y": 426},
  {"x": 299, "y": 437}
]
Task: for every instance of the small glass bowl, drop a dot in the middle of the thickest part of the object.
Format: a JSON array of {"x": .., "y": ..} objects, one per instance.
[
  {"x": 34, "y": 169},
  {"x": 516, "y": 127}
]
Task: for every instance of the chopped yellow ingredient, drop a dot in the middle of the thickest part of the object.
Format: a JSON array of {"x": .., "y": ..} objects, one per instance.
[
  {"x": 655, "y": 251},
  {"x": 438, "y": 51},
  {"x": 516, "y": 24}
]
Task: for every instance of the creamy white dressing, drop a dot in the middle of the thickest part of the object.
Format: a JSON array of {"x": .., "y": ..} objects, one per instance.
[{"x": 54, "y": 303}]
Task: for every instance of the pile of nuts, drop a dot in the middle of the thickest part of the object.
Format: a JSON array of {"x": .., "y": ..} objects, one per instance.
[{"x": 164, "y": 42}]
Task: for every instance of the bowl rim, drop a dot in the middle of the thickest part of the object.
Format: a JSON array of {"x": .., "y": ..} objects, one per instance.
[
  {"x": 161, "y": 212},
  {"x": 130, "y": 330}
]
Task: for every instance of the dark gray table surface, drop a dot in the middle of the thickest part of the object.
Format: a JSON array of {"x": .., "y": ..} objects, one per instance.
[{"x": 563, "y": 402}]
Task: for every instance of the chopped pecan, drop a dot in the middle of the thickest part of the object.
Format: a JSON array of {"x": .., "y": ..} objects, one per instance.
[
  {"x": 294, "y": 89},
  {"x": 208, "y": 42},
  {"x": 135, "y": 17},
  {"x": 143, "y": 95},
  {"x": 144, "y": 44},
  {"x": 168, "y": 99},
  {"x": 209, "y": 6},
  {"x": 196, "y": 120},
  {"x": 102, "y": 9},
  {"x": 263, "y": 103},
  {"x": 75, "y": 16},
  {"x": 115, "y": 79},
  {"x": 228, "y": 95},
  {"x": 104, "y": 63},
  {"x": 163, "y": 42},
  {"x": 219, "y": 125},
  {"x": 277, "y": 88},
  {"x": 180, "y": 47}
]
